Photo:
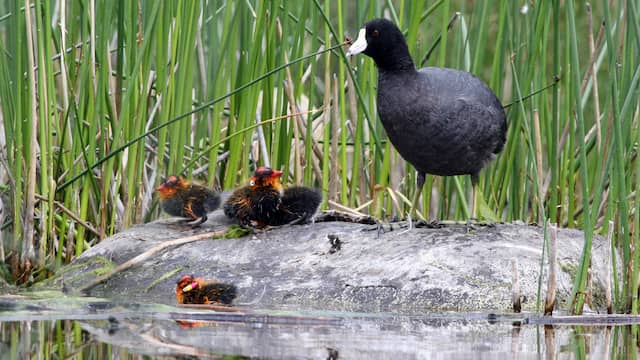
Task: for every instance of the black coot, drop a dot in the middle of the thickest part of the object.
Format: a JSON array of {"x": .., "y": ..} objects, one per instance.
[{"x": 443, "y": 121}]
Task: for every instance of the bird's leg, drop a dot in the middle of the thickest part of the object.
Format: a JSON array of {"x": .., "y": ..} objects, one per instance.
[
  {"x": 420, "y": 177},
  {"x": 481, "y": 213},
  {"x": 299, "y": 220},
  {"x": 473, "y": 202},
  {"x": 198, "y": 221}
]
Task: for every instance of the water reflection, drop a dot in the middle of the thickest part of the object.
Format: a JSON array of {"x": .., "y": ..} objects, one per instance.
[{"x": 372, "y": 338}]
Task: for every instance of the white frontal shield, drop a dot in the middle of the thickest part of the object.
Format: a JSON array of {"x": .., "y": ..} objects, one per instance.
[{"x": 360, "y": 45}]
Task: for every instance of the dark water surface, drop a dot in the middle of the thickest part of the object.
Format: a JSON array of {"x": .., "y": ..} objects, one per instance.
[{"x": 86, "y": 328}]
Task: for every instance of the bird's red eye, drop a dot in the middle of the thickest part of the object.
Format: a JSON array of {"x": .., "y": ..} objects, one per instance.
[{"x": 375, "y": 33}]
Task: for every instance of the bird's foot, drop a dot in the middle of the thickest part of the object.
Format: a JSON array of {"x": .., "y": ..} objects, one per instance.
[
  {"x": 199, "y": 221},
  {"x": 192, "y": 223},
  {"x": 382, "y": 228},
  {"x": 257, "y": 228},
  {"x": 470, "y": 225},
  {"x": 334, "y": 215},
  {"x": 397, "y": 225},
  {"x": 409, "y": 226},
  {"x": 434, "y": 224},
  {"x": 181, "y": 225},
  {"x": 476, "y": 224},
  {"x": 301, "y": 220}
]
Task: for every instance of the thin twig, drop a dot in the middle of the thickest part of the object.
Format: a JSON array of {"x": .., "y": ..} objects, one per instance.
[
  {"x": 556, "y": 79},
  {"x": 70, "y": 213},
  {"x": 147, "y": 254},
  {"x": 394, "y": 199},
  {"x": 341, "y": 207}
]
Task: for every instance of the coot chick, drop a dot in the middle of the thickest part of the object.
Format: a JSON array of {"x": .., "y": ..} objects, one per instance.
[
  {"x": 264, "y": 203},
  {"x": 179, "y": 197},
  {"x": 443, "y": 121},
  {"x": 299, "y": 204},
  {"x": 257, "y": 204},
  {"x": 193, "y": 290}
]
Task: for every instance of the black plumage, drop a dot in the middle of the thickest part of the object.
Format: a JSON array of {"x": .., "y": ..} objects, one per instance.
[
  {"x": 193, "y": 290},
  {"x": 179, "y": 197},
  {"x": 299, "y": 205},
  {"x": 443, "y": 121},
  {"x": 264, "y": 202},
  {"x": 258, "y": 203}
]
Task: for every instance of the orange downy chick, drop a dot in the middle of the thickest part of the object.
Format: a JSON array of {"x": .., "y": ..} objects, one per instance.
[
  {"x": 258, "y": 203},
  {"x": 193, "y": 290},
  {"x": 179, "y": 197}
]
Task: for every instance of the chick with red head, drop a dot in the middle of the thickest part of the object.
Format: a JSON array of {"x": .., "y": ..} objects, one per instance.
[{"x": 179, "y": 197}]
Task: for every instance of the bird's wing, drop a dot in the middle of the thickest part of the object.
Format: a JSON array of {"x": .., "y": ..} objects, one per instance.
[
  {"x": 475, "y": 125},
  {"x": 192, "y": 207}
]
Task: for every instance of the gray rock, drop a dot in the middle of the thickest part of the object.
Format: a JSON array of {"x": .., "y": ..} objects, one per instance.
[{"x": 425, "y": 269}]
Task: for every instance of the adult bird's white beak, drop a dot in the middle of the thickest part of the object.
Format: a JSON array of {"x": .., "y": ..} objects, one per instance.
[{"x": 360, "y": 45}]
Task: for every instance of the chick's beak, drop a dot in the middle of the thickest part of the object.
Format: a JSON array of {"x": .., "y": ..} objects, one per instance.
[
  {"x": 190, "y": 287},
  {"x": 360, "y": 44},
  {"x": 161, "y": 187},
  {"x": 276, "y": 173}
]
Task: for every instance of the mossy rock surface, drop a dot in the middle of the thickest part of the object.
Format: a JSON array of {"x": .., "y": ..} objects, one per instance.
[{"x": 423, "y": 270}]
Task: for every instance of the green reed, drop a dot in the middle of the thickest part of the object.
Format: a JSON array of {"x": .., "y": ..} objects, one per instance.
[{"x": 115, "y": 95}]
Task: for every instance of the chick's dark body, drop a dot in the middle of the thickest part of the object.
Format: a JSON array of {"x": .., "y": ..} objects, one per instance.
[
  {"x": 299, "y": 204},
  {"x": 253, "y": 205},
  {"x": 194, "y": 200},
  {"x": 211, "y": 293},
  {"x": 263, "y": 202},
  {"x": 193, "y": 290},
  {"x": 454, "y": 133},
  {"x": 179, "y": 197}
]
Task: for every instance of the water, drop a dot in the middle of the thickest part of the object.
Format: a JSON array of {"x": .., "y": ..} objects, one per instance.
[
  {"x": 384, "y": 337},
  {"x": 98, "y": 329}
]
